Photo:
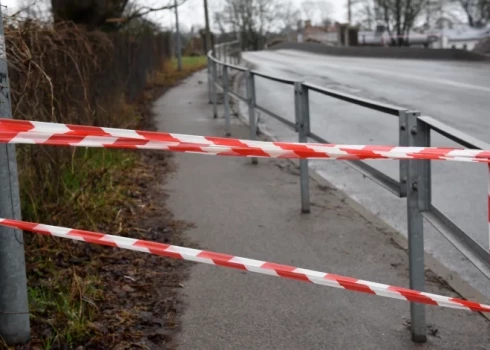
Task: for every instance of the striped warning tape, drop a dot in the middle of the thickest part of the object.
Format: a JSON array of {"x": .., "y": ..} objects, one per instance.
[
  {"x": 29, "y": 132},
  {"x": 262, "y": 267}
]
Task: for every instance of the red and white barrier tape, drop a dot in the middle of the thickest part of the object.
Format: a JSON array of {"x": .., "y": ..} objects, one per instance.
[
  {"x": 256, "y": 266},
  {"x": 28, "y": 132}
]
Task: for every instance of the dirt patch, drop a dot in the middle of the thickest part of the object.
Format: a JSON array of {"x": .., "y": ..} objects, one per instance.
[{"x": 132, "y": 298}]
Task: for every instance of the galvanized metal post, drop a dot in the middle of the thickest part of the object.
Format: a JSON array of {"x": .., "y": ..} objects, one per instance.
[
  {"x": 210, "y": 81},
  {"x": 221, "y": 65},
  {"x": 422, "y": 139},
  {"x": 239, "y": 53},
  {"x": 301, "y": 102},
  {"x": 179, "y": 46},
  {"x": 252, "y": 120},
  {"x": 415, "y": 232},
  {"x": 214, "y": 89},
  {"x": 226, "y": 98},
  {"x": 403, "y": 142},
  {"x": 220, "y": 59},
  {"x": 488, "y": 205},
  {"x": 14, "y": 309},
  {"x": 209, "y": 42}
]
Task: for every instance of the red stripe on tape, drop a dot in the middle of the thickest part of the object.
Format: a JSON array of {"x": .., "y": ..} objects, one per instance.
[
  {"x": 221, "y": 259},
  {"x": 16, "y": 125},
  {"x": 92, "y": 237},
  {"x": 285, "y": 271},
  {"x": 413, "y": 295},
  {"x": 157, "y": 136},
  {"x": 253, "y": 266},
  {"x": 350, "y": 283}
]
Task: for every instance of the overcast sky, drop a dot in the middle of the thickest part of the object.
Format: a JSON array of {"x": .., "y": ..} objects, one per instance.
[{"x": 192, "y": 12}]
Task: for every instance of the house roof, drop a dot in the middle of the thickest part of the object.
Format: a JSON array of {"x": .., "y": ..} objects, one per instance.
[
  {"x": 371, "y": 37},
  {"x": 463, "y": 34}
]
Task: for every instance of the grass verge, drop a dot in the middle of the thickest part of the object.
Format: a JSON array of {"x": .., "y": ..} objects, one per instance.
[
  {"x": 93, "y": 297},
  {"x": 170, "y": 75}
]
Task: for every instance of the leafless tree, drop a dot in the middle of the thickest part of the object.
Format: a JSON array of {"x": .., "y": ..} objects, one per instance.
[
  {"x": 365, "y": 14},
  {"x": 318, "y": 11},
  {"x": 37, "y": 9},
  {"x": 288, "y": 16},
  {"x": 477, "y": 12},
  {"x": 104, "y": 13},
  {"x": 252, "y": 19},
  {"x": 399, "y": 17},
  {"x": 308, "y": 7},
  {"x": 441, "y": 13}
]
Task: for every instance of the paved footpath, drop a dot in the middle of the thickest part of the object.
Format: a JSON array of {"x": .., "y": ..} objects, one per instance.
[{"x": 254, "y": 212}]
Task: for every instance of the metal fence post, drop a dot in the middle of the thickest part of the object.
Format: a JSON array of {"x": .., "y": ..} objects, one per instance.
[
  {"x": 214, "y": 89},
  {"x": 252, "y": 120},
  {"x": 210, "y": 74},
  {"x": 226, "y": 98},
  {"x": 14, "y": 309},
  {"x": 415, "y": 232},
  {"x": 488, "y": 204},
  {"x": 422, "y": 139},
  {"x": 301, "y": 102},
  {"x": 403, "y": 142}
]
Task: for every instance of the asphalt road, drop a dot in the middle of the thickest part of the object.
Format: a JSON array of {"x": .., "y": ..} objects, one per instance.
[{"x": 457, "y": 93}]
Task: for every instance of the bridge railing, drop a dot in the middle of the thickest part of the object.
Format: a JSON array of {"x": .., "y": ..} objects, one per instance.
[{"x": 414, "y": 182}]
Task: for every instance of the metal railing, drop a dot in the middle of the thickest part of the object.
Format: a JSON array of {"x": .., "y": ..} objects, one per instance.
[{"x": 414, "y": 181}]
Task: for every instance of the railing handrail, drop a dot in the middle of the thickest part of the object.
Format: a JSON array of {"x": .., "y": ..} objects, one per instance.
[
  {"x": 442, "y": 128},
  {"x": 453, "y": 134},
  {"x": 415, "y": 178}
]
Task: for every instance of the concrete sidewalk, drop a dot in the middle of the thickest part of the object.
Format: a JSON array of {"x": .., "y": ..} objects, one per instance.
[{"x": 254, "y": 212}]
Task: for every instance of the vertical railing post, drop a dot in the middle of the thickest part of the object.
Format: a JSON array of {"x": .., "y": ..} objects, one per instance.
[
  {"x": 403, "y": 142},
  {"x": 422, "y": 139},
  {"x": 226, "y": 100},
  {"x": 14, "y": 309},
  {"x": 210, "y": 81},
  {"x": 488, "y": 206},
  {"x": 301, "y": 102},
  {"x": 415, "y": 231},
  {"x": 214, "y": 89},
  {"x": 252, "y": 118},
  {"x": 222, "y": 56}
]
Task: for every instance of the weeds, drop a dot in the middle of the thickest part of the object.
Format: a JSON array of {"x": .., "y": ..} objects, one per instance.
[
  {"x": 169, "y": 75},
  {"x": 63, "y": 74},
  {"x": 191, "y": 62}
]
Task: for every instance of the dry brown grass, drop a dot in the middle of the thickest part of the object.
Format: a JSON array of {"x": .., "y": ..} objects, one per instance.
[{"x": 67, "y": 75}]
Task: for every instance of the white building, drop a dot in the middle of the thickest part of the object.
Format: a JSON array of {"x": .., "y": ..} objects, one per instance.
[
  {"x": 464, "y": 38},
  {"x": 371, "y": 38}
]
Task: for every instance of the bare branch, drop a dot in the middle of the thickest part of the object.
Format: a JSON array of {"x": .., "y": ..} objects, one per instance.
[{"x": 145, "y": 10}]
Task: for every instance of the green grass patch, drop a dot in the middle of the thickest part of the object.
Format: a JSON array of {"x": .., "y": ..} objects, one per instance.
[
  {"x": 64, "y": 287},
  {"x": 79, "y": 191},
  {"x": 87, "y": 188},
  {"x": 66, "y": 307},
  {"x": 191, "y": 62}
]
